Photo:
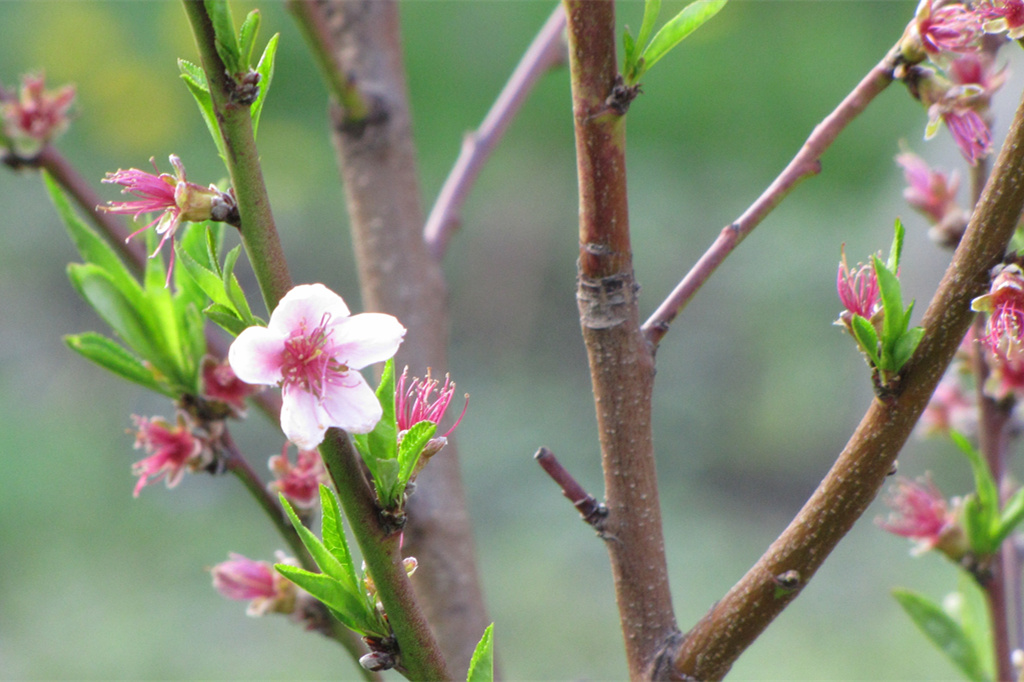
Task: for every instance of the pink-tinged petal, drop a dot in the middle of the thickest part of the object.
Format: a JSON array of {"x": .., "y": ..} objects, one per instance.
[
  {"x": 303, "y": 420},
  {"x": 367, "y": 338},
  {"x": 257, "y": 356},
  {"x": 353, "y": 406},
  {"x": 305, "y": 307}
]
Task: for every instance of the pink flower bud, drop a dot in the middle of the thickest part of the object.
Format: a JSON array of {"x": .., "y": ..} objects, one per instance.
[
  {"x": 174, "y": 450},
  {"x": 300, "y": 483},
  {"x": 266, "y": 590},
  {"x": 36, "y": 117},
  {"x": 920, "y": 512}
]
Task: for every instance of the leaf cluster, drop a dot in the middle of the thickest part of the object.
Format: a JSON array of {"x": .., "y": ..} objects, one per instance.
[
  {"x": 163, "y": 332},
  {"x": 640, "y": 55},
  {"x": 891, "y": 346},
  {"x": 987, "y": 525},
  {"x": 392, "y": 461}
]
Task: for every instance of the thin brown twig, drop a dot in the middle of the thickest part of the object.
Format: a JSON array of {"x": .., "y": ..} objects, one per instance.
[
  {"x": 546, "y": 51},
  {"x": 593, "y": 512},
  {"x": 806, "y": 163}
]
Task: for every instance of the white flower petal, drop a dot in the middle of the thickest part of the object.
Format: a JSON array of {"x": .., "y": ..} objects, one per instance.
[
  {"x": 256, "y": 356},
  {"x": 367, "y": 338},
  {"x": 303, "y": 420},
  {"x": 353, "y": 406},
  {"x": 305, "y": 306}
]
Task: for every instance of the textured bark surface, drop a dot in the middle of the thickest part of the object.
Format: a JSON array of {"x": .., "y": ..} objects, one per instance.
[{"x": 398, "y": 276}]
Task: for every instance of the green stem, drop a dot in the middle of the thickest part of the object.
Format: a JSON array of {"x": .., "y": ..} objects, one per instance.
[
  {"x": 259, "y": 234},
  {"x": 421, "y": 658}
]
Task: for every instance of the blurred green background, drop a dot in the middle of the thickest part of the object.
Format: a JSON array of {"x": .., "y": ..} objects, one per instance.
[{"x": 756, "y": 390}]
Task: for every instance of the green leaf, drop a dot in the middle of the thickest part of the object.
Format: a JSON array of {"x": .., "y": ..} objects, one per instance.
[
  {"x": 234, "y": 289},
  {"x": 209, "y": 281},
  {"x": 985, "y": 519},
  {"x": 226, "y": 318},
  {"x": 195, "y": 80},
  {"x": 247, "y": 36},
  {"x": 412, "y": 447},
  {"x": 224, "y": 32},
  {"x": 100, "y": 291},
  {"x": 867, "y": 338},
  {"x": 386, "y": 481},
  {"x": 973, "y": 617},
  {"x": 324, "y": 558},
  {"x": 90, "y": 245},
  {"x": 651, "y": 10},
  {"x": 893, "y": 322},
  {"x": 678, "y": 28},
  {"x": 905, "y": 347},
  {"x": 110, "y": 355},
  {"x": 345, "y": 606},
  {"x": 383, "y": 440},
  {"x": 334, "y": 537},
  {"x": 481, "y": 666},
  {"x": 265, "y": 69},
  {"x": 893, "y": 264},
  {"x": 1012, "y": 515},
  {"x": 944, "y": 632},
  {"x": 628, "y": 52}
]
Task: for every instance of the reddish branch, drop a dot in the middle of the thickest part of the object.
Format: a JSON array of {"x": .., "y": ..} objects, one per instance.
[
  {"x": 806, "y": 163},
  {"x": 710, "y": 649},
  {"x": 621, "y": 361},
  {"x": 400, "y": 277}
]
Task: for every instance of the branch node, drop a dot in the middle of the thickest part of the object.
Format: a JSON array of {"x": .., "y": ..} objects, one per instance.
[
  {"x": 594, "y": 513},
  {"x": 605, "y": 302}
]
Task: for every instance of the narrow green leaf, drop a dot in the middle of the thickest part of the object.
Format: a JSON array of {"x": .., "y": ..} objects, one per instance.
[
  {"x": 974, "y": 618},
  {"x": 234, "y": 289},
  {"x": 412, "y": 447},
  {"x": 481, "y": 666},
  {"x": 678, "y": 28},
  {"x": 224, "y": 32},
  {"x": 324, "y": 558},
  {"x": 100, "y": 291},
  {"x": 944, "y": 632},
  {"x": 985, "y": 488},
  {"x": 628, "y": 53},
  {"x": 896, "y": 250},
  {"x": 905, "y": 347},
  {"x": 194, "y": 340},
  {"x": 867, "y": 338},
  {"x": 225, "y": 318},
  {"x": 112, "y": 356},
  {"x": 345, "y": 606},
  {"x": 209, "y": 281},
  {"x": 265, "y": 69},
  {"x": 893, "y": 321},
  {"x": 651, "y": 10},
  {"x": 247, "y": 36},
  {"x": 90, "y": 245},
  {"x": 1012, "y": 515},
  {"x": 201, "y": 94},
  {"x": 383, "y": 440},
  {"x": 385, "y": 480},
  {"x": 977, "y": 525},
  {"x": 334, "y": 536}
]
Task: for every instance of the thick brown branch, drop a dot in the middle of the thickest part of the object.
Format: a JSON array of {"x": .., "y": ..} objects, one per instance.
[
  {"x": 710, "y": 649},
  {"x": 621, "y": 362},
  {"x": 398, "y": 276}
]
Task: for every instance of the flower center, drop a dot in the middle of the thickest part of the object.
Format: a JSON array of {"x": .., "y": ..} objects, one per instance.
[{"x": 309, "y": 362}]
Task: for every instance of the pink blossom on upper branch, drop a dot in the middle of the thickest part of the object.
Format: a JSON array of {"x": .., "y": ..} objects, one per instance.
[
  {"x": 299, "y": 482},
  {"x": 174, "y": 450},
  {"x": 920, "y": 512},
  {"x": 266, "y": 590},
  {"x": 1004, "y": 303},
  {"x": 951, "y": 408},
  {"x": 934, "y": 195},
  {"x": 957, "y": 106},
  {"x": 858, "y": 290},
  {"x": 35, "y": 117},
  {"x": 1002, "y": 16},
  {"x": 172, "y": 196},
  {"x": 312, "y": 347}
]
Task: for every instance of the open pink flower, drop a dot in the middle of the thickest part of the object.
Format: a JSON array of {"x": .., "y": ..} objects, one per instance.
[
  {"x": 312, "y": 347},
  {"x": 947, "y": 28},
  {"x": 244, "y": 579},
  {"x": 172, "y": 196},
  {"x": 174, "y": 450}
]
